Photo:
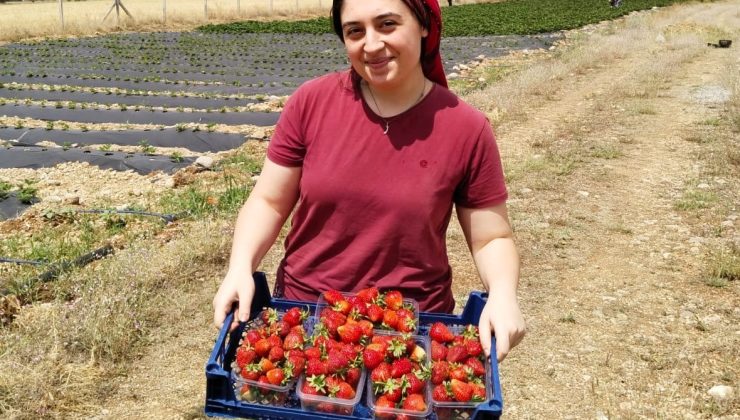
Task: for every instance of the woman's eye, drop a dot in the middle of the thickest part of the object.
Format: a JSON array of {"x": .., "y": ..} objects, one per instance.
[
  {"x": 352, "y": 31},
  {"x": 388, "y": 23}
]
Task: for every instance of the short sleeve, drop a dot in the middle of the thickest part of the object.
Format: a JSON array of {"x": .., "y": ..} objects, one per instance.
[
  {"x": 483, "y": 183},
  {"x": 287, "y": 146}
]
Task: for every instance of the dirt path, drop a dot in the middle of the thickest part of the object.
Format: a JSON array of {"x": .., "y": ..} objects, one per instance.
[{"x": 621, "y": 323}]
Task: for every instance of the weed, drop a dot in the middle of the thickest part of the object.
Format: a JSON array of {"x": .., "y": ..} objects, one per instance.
[
  {"x": 27, "y": 191},
  {"x": 106, "y": 148},
  {"x": 147, "y": 148},
  {"x": 606, "y": 152},
  {"x": 234, "y": 196},
  {"x": 695, "y": 200},
  {"x": 49, "y": 125},
  {"x": 19, "y": 124},
  {"x": 5, "y": 188},
  {"x": 66, "y": 145},
  {"x": 723, "y": 266},
  {"x": 569, "y": 319},
  {"x": 180, "y": 127},
  {"x": 176, "y": 157}
]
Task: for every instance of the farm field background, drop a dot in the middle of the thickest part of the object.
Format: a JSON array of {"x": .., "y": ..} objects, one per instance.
[{"x": 620, "y": 146}]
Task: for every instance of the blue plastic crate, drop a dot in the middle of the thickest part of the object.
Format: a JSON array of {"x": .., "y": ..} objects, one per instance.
[{"x": 220, "y": 398}]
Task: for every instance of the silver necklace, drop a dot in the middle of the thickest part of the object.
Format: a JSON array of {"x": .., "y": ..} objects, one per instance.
[{"x": 387, "y": 121}]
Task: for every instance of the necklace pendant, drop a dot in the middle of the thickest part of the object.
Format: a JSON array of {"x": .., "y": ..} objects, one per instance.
[{"x": 387, "y": 126}]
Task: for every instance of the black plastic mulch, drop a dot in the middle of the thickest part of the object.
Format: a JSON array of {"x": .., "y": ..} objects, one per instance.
[
  {"x": 94, "y": 116},
  {"x": 132, "y": 100},
  {"x": 199, "y": 141},
  {"x": 11, "y": 207},
  {"x": 34, "y": 157}
]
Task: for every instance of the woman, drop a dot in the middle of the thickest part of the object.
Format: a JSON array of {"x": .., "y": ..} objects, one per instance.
[{"x": 375, "y": 157}]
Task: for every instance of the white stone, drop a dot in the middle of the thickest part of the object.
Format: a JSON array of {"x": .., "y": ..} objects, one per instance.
[
  {"x": 660, "y": 38},
  {"x": 456, "y": 67},
  {"x": 601, "y": 416},
  {"x": 453, "y": 76},
  {"x": 703, "y": 186},
  {"x": 464, "y": 67},
  {"x": 721, "y": 392},
  {"x": 728, "y": 223},
  {"x": 53, "y": 199},
  {"x": 204, "y": 161},
  {"x": 481, "y": 79},
  {"x": 525, "y": 191},
  {"x": 72, "y": 199},
  {"x": 583, "y": 193},
  {"x": 481, "y": 57},
  {"x": 169, "y": 183}
]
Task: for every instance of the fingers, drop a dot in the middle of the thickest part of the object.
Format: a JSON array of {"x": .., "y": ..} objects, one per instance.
[
  {"x": 502, "y": 347},
  {"x": 484, "y": 331},
  {"x": 219, "y": 314}
]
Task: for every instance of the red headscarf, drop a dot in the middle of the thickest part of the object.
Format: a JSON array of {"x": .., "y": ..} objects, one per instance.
[{"x": 431, "y": 60}]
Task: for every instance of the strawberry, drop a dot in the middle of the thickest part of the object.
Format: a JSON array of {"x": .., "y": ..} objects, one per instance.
[
  {"x": 275, "y": 376},
  {"x": 336, "y": 361},
  {"x": 440, "y": 333},
  {"x": 390, "y": 319},
  {"x": 269, "y": 316},
  {"x": 439, "y": 393},
  {"x": 406, "y": 323},
  {"x": 245, "y": 356},
  {"x": 461, "y": 391},
  {"x": 393, "y": 300},
  {"x": 371, "y": 357},
  {"x": 342, "y": 306},
  {"x": 281, "y": 328},
  {"x": 312, "y": 353},
  {"x": 400, "y": 367},
  {"x": 368, "y": 294},
  {"x": 479, "y": 392},
  {"x": 457, "y": 353},
  {"x": 350, "y": 333},
  {"x": 439, "y": 351},
  {"x": 318, "y": 382},
  {"x": 345, "y": 392},
  {"x": 374, "y": 313},
  {"x": 253, "y": 336},
  {"x": 276, "y": 354},
  {"x": 352, "y": 376},
  {"x": 358, "y": 304},
  {"x": 315, "y": 367},
  {"x": 393, "y": 390},
  {"x": 333, "y": 296},
  {"x": 308, "y": 389},
  {"x": 295, "y": 316},
  {"x": 476, "y": 366},
  {"x": 264, "y": 381},
  {"x": 275, "y": 341},
  {"x": 266, "y": 365},
  {"x": 294, "y": 340},
  {"x": 416, "y": 385},
  {"x": 414, "y": 402},
  {"x": 251, "y": 372},
  {"x": 381, "y": 373},
  {"x": 367, "y": 327},
  {"x": 297, "y": 364},
  {"x": 440, "y": 372},
  {"x": 384, "y": 403},
  {"x": 460, "y": 373},
  {"x": 473, "y": 347},
  {"x": 262, "y": 347}
]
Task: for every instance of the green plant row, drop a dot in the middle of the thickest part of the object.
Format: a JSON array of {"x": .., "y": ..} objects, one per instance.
[{"x": 512, "y": 17}]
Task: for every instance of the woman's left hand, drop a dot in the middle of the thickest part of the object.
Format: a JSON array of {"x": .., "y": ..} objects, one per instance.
[{"x": 503, "y": 318}]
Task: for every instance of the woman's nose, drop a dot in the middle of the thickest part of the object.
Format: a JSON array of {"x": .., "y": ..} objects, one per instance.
[{"x": 373, "y": 42}]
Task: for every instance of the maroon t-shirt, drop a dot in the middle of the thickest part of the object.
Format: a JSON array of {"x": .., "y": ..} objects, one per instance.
[{"x": 374, "y": 207}]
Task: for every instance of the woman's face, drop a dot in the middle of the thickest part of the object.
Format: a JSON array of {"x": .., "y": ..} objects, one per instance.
[{"x": 383, "y": 41}]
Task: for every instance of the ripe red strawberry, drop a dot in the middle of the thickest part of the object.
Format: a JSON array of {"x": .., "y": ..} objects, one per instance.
[
  {"x": 318, "y": 382},
  {"x": 275, "y": 340},
  {"x": 400, "y": 367},
  {"x": 393, "y": 300},
  {"x": 415, "y": 385},
  {"x": 315, "y": 367},
  {"x": 336, "y": 361},
  {"x": 439, "y": 393},
  {"x": 276, "y": 354},
  {"x": 440, "y": 372},
  {"x": 375, "y": 313},
  {"x": 281, "y": 328},
  {"x": 479, "y": 392},
  {"x": 297, "y": 364},
  {"x": 390, "y": 319},
  {"x": 461, "y": 391},
  {"x": 262, "y": 347},
  {"x": 295, "y": 316},
  {"x": 460, "y": 373},
  {"x": 353, "y": 376},
  {"x": 414, "y": 402},
  {"x": 253, "y": 336},
  {"x": 251, "y": 371},
  {"x": 245, "y": 356},
  {"x": 473, "y": 347},
  {"x": 381, "y": 373},
  {"x": 308, "y": 389},
  {"x": 293, "y": 340},
  {"x": 263, "y": 380},
  {"x": 358, "y": 304},
  {"x": 369, "y": 294},
  {"x": 345, "y": 392},
  {"x": 269, "y": 316},
  {"x": 367, "y": 327},
  {"x": 332, "y": 297},
  {"x": 439, "y": 351},
  {"x": 343, "y": 307},
  {"x": 372, "y": 357},
  {"x": 457, "y": 353},
  {"x": 384, "y": 403},
  {"x": 350, "y": 333},
  {"x": 275, "y": 376},
  {"x": 405, "y": 323},
  {"x": 312, "y": 353},
  {"x": 393, "y": 390},
  {"x": 440, "y": 333},
  {"x": 476, "y": 366}
]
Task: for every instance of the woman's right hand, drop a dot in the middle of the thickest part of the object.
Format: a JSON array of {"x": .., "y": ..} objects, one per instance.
[{"x": 236, "y": 287}]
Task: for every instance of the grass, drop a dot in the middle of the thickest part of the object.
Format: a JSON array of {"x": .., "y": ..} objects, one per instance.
[{"x": 693, "y": 199}]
